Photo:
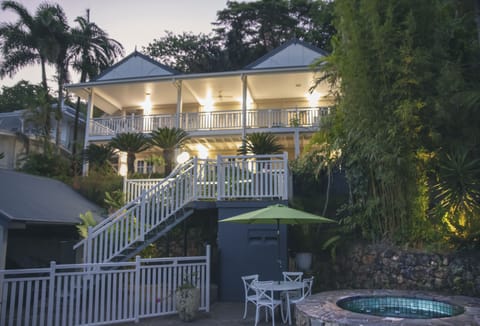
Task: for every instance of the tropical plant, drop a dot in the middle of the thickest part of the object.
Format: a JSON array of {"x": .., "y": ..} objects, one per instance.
[
  {"x": 100, "y": 157},
  {"x": 92, "y": 51},
  {"x": 87, "y": 221},
  {"x": 458, "y": 192},
  {"x": 30, "y": 40},
  {"x": 259, "y": 143},
  {"x": 169, "y": 139},
  {"x": 132, "y": 144}
]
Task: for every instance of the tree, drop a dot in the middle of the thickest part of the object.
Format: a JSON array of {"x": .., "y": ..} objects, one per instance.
[
  {"x": 131, "y": 144},
  {"x": 396, "y": 109},
  {"x": 260, "y": 143},
  {"x": 18, "y": 97},
  {"x": 169, "y": 139},
  {"x": 251, "y": 29},
  {"x": 187, "y": 52},
  {"x": 100, "y": 157},
  {"x": 30, "y": 40},
  {"x": 92, "y": 51},
  {"x": 27, "y": 41}
]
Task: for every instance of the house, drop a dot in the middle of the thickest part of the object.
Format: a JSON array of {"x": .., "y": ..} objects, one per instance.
[
  {"x": 218, "y": 110},
  {"x": 19, "y": 136},
  {"x": 38, "y": 218}
]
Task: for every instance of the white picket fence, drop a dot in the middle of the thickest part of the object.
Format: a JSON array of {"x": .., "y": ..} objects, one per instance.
[{"x": 96, "y": 294}]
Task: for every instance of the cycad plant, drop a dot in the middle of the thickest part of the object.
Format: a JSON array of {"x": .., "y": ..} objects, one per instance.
[
  {"x": 132, "y": 144},
  {"x": 169, "y": 139},
  {"x": 99, "y": 157},
  {"x": 458, "y": 192},
  {"x": 259, "y": 143}
]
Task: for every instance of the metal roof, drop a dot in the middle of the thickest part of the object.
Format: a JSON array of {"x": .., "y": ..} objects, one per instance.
[{"x": 34, "y": 199}]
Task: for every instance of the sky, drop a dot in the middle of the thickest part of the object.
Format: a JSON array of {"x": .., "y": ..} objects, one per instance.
[{"x": 134, "y": 23}]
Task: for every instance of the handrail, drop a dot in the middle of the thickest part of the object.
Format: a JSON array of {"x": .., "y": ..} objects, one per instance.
[{"x": 227, "y": 177}]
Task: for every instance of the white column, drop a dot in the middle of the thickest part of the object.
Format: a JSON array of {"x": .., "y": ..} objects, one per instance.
[
  {"x": 244, "y": 107},
  {"x": 87, "y": 129},
  {"x": 178, "y": 84}
]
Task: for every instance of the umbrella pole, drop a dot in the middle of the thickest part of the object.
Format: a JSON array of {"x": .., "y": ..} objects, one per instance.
[{"x": 279, "y": 260}]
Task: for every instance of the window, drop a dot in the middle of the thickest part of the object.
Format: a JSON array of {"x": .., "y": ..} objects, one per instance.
[{"x": 144, "y": 167}]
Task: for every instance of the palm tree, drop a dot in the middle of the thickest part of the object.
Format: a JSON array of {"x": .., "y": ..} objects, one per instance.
[
  {"x": 169, "y": 139},
  {"x": 30, "y": 40},
  {"x": 92, "y": 51},
  {"x": 26, "y": 41},
  {"x": 259, "y": 143},
  {"x": 132, "y": 144}
]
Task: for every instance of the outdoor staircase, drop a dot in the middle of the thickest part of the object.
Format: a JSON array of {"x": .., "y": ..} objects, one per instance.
[{"x": 157, "y": 210}]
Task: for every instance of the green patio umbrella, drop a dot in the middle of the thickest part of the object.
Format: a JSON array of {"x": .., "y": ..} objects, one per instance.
[{"x": 278, "y": 214}]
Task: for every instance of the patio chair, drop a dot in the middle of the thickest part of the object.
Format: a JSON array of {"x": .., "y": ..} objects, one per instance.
[
  {"x": 250, "y": 295},
  {"x": 292, "y": 276},
  {"x": 265, "y": 299},
  {"x": 306, "y": 291}
]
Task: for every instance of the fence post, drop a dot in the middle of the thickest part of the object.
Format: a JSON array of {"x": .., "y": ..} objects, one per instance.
[
  {"x": 125, "y": 188},
  {"x": 207, "y": 281},
  {"x": 220, "y": 183},
  {"x": 143, "y": 204},
  {"x": 51, "y": 293},
  {"x": 87, "y": 255},
  {"x": 136, "y": 304},
  {"x": 285, "y": 176}
]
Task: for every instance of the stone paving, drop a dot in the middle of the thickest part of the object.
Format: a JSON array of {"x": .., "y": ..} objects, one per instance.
[{"x": 221, "y": 313}]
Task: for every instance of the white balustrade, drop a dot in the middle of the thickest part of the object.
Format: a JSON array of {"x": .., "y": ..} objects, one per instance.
[
  {"x": 101, "y": 293},
  {"x": 216, "y": 120}
]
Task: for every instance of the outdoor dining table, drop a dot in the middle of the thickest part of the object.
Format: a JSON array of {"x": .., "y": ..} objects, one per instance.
[{"x": 282, "y": 287}]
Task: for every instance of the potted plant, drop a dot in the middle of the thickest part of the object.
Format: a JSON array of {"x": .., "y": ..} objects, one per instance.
[
  {"x": 302, "y": 245},
  {"x": 187, "y": 299}
]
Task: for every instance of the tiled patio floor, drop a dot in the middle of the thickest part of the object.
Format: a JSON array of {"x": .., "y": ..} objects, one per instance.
[{"x": 221, "y": 313}]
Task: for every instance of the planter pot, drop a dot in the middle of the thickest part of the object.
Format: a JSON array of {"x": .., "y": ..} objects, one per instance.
[
  {"x": 303, "y": 260},
  {"x": 187, "y": 302}
]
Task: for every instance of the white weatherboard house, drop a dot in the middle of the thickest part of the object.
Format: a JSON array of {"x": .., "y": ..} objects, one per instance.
[{"x": 218, "y": 110}]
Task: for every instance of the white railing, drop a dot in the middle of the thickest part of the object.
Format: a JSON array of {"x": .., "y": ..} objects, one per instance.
[
  {"x": 133, "y": 188},
  {"x": 228, "y": 177},
  {"x": 217, "y": 120},
  {"x": 95, "y": 294}
]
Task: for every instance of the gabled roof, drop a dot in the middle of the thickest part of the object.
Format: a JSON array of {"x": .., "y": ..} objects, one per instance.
[
  {"x": 33, "y": 199},
  {"x": 294, "y": 53},
  {"x": 135, "y": 65}
]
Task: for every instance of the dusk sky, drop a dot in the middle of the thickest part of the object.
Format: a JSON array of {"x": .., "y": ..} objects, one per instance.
[{"x": 131, "y": 22}]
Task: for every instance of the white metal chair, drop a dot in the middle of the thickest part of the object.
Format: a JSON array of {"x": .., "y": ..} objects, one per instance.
[
  {"x": 265, "y": 299},
  {"x": 306, "y": 291},
  {"x": 292, "y": 276},
  {"x": 250, "y": 295}
]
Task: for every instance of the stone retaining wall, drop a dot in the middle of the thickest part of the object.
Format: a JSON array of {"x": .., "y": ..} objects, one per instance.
[{"x": 380, "y": 267}]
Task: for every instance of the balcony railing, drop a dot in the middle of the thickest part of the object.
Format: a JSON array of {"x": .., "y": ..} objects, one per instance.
[{"x": 218, "y": 120}]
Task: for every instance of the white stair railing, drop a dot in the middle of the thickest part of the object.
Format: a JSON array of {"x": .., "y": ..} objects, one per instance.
[
  {"x": 137, "y": 218},
  {"x": 228, "y": 177}
]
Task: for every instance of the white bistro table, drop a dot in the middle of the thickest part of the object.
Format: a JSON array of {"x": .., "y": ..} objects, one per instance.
[{"x": 282, "y": 287}]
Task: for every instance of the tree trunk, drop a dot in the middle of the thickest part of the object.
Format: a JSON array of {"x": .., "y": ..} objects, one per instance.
[
  {"x": 75, "y": 138},
  {"x": 477, "y": 17},
  {"x": 130, "y": 162}
]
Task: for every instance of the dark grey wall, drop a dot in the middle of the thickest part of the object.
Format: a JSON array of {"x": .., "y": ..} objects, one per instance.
[{"x": 247, "y": 249}]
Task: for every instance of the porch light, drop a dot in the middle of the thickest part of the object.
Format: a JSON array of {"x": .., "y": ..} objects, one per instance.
[
  {"x": 147, "y": 105},
  {"x": 183, "y": 157},
  {"x": 202, "y": 151},
  {"x": 312, "y": 98}
]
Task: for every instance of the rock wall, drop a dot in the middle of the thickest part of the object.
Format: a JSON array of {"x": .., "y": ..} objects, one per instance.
[{"x": 380, "y": 267}]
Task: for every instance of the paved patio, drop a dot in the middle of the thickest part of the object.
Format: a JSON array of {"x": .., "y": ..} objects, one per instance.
[{"x": 221, "y": 313}]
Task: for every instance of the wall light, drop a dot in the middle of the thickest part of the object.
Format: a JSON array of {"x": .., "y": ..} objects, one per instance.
[
  {"x": 147, "y": 105},
  {"x": 202, "y": 151},
  {"x": 312, "y": 98}
]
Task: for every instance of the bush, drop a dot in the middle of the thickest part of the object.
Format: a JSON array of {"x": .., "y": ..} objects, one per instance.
[
  {"x": 95, "y": 185},
  {"x": 48, "y": 165}
]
